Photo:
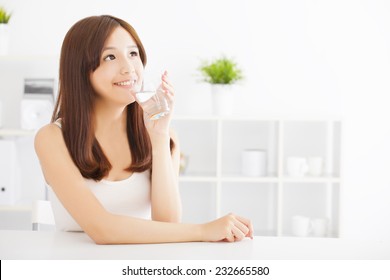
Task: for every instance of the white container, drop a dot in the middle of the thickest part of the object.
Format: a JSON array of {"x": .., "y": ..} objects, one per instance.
[
  {"x": 35, "y": 113},
  {"x": 301, "y": 226},
  {"x": 296, "y": 166},
  {"x": 316, "y": 165},
  {"x": 4, "y": 38},
  {"x": 254, "y": 163},
  {"x": 320, "y": 227},
  {"x": 222, "y": 99}
]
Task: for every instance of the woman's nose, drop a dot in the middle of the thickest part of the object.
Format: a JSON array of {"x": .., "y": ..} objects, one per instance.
[{"x": 127, "y": 68}]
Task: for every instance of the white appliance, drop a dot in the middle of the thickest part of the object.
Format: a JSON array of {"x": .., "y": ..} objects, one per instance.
[
  {"x": 37, "y": 103},
  {"x": 8, "y": 172},
  {"x": 35, "y": 113}
]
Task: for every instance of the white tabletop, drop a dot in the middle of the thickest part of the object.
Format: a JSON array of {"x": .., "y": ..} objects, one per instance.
[{"x": 77, "y": 245}]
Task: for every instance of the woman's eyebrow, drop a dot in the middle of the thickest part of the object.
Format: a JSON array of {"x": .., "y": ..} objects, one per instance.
[{"x": 113, "y": 48}]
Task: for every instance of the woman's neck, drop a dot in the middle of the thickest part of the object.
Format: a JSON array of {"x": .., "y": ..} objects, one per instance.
[{"x": 109, "y": 119}]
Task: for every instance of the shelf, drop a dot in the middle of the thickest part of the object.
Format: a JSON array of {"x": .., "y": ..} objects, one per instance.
[
  {"x": 16, "y": 207},
  {"x": 224, "y": 118},
  {"x": 311, "y": 180},
  {"x": 245, "y": 179},
  {"x": 16, "y": 132},
  {"x": 28, "y": 58},
  {"x": 213, "y": 184},
  {"x": 286, "y": 118},
  {"x": 185, "y": 178},
  {"x": 225, "y": 137}
]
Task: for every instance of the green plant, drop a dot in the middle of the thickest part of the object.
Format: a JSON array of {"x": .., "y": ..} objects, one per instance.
[
  {"x": 221, "y": 71},
  {"x": 4, "y": 15}
]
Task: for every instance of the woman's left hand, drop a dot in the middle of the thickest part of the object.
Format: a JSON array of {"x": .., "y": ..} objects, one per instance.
[{"x": 160, "y": 127}]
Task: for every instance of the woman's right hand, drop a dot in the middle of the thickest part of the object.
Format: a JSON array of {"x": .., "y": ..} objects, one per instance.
[{"x": 229, "y": 228}]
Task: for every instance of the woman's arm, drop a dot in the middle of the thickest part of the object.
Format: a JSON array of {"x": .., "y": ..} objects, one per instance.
[
  {"x": 166, "y": 202},
  {"x": 106, "y": 228}
]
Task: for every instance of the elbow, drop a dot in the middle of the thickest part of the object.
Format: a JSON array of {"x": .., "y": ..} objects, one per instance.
[
  {"x": 176, "y": 218},
  {"x": 169, "y": 215},
  {"x": 101, "y": 235},
  {"x": 173, "y": 220},
  {"x": 100, "y": 239},
  {"x": 167, "y": 218}
]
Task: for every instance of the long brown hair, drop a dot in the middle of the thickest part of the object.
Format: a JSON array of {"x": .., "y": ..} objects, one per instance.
[{"x": 80, "y": 56}]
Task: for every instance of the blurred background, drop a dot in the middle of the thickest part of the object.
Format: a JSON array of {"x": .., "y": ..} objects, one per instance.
[{"x": 315, "y": 84}]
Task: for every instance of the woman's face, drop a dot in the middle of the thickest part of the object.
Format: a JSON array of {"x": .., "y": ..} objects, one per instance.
[{"x": 120, "y": 71}]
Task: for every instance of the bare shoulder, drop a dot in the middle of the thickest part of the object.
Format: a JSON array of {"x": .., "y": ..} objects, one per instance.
[
  {"x": 55, "y": 160},
  {"x": 47, "y": 137}
]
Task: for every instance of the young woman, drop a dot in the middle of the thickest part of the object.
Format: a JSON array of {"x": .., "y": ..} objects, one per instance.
[{"x": 112, "y": 172}]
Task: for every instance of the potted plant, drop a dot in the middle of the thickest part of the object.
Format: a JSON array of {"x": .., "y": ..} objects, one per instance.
[
  {"x": 4, "y": 19},
  {"x": 222, "y": 74}
]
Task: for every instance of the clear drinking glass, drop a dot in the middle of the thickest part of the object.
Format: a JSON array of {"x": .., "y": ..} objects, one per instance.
[{"x": 152, "y": 99}]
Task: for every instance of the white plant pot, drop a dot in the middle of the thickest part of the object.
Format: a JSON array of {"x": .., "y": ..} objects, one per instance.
[
  {"x": 223, "y": 97},
  {"x": 4, "y": 38}
]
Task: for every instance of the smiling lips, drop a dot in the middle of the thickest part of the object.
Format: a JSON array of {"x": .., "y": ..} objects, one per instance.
[{"x": 128, "y": 83}]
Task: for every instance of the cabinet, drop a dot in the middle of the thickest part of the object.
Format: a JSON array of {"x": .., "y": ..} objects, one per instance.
[
  {"x": 14, "y": 70},
  {"x": 16, "y": 199},
  {"x": 212, "y": 184}
]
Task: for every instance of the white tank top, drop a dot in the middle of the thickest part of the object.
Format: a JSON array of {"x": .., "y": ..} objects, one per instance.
[{"x": 129, "y": 197}]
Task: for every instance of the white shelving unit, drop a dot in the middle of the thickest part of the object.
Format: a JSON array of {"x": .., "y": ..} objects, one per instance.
[
  {"x": 17, "y": 215},
  {"x": 14, "y": 69},
  {"x": 5, "y": 133},
  {"x": 212, "y": 184}
]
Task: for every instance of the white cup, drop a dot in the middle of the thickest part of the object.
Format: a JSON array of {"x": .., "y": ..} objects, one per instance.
[
  {"x": 301, "y": 226},
  {"x": 315, "y": 165},
  {"x": 253, "y": 163},
  {"x": 152, "y": 98},
  {"x": 296, "y": 166},
  {"x": 319, "y": 227}
]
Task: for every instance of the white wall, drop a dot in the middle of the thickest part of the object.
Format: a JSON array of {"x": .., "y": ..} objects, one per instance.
[
  {"x": 276, "y": 43},
  {"x": 299, "y": 58}
]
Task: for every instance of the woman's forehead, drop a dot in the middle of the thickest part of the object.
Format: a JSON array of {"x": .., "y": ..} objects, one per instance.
[{"x": 120, "y": 38}]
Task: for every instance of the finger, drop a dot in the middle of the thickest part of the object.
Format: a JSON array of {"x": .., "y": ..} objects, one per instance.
[
  {"x": 168, "y": 87},
  {"x": 165, "y": 78},
  {"x": 169, "y": 96},
  {"x": 230, "y": 237},
  {"x": 247, "y": 223},
  {"x": 238, "y": 234},
  {"x": 242, "y": 227}
]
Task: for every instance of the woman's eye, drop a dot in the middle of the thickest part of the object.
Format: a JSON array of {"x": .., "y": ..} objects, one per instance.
[
  {"x": 109, "y": 57},
  {"x": 133, "y": 53}
]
